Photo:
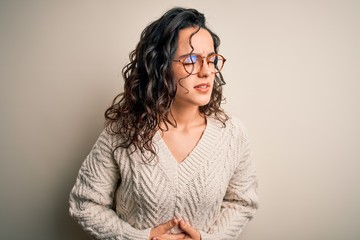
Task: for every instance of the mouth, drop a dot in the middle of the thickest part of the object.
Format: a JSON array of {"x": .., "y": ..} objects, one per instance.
[{"x": 204, "y": 87}]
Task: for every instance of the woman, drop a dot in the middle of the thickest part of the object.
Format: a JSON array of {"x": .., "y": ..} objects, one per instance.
[{"x": 170, "y": 163}]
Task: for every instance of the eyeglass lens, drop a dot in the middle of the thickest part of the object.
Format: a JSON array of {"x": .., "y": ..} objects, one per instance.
[{"x": 193, "y": 63}]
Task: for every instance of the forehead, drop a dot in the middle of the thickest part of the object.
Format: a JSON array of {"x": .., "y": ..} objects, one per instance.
[{"x": 201, "y": 41}]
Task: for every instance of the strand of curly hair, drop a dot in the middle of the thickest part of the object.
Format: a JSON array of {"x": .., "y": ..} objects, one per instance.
[{"x": 144, "y": 106}]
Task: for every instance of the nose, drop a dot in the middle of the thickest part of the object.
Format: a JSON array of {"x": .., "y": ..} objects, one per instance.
[{"x": 205, "y": 70}]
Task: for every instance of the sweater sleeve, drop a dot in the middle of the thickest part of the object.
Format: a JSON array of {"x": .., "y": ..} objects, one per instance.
[
  {"x": 91, "y": 198},
  {"x": 240, "y": 201}
]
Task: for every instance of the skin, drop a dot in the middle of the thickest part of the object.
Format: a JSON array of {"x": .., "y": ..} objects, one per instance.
[
  {"x": 186, "y": 95},
  {"x": 185, "y": 109},
  {"x": 189, "y": 97}
]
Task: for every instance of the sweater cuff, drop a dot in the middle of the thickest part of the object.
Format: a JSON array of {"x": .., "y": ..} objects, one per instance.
[{"x": 132, "y": 233}]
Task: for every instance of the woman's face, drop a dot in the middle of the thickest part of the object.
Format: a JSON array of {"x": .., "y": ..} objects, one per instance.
[{"x": 194, "y": 89}]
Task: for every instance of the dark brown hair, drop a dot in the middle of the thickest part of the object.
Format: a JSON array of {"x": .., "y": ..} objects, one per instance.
[{"x": 136, "y": 114}]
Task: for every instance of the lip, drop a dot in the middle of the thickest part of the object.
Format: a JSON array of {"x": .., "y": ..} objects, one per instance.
[{"x": 203, "y": 87}]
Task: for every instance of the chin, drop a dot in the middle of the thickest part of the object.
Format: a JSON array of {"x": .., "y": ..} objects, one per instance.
[{"x": 203, "y": 103}]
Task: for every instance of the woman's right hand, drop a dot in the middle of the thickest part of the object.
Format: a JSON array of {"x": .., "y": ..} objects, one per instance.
[{"x": 163, "y": 231}]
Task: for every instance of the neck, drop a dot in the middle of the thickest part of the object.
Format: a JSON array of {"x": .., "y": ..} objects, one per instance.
[{"x": 187, "y": 117}]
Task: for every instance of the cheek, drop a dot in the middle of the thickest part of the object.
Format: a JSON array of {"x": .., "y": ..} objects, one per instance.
[
  {"x": 179, "y": 72},
  {"x": 181, "y": 87},
  {"x": 184, "y": 86}
]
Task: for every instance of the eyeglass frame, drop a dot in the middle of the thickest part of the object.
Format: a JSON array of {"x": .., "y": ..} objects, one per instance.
[{"x": 182, "y": 59}]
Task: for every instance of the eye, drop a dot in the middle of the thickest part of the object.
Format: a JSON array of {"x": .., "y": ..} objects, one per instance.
[
  {"x": 213, "y": 59},
  {"x": 191, "y": 59}
]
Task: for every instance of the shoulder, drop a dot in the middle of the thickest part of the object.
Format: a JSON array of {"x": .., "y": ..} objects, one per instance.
[
  {"x": 233, "y": 133},
  {"x": 232, "y": 138},
  {"x": 238, "y": 126},
  {"x": 233, "y": 126},
  {"x": 105, "y": 141},
  {"x": 235, "y": 122}
]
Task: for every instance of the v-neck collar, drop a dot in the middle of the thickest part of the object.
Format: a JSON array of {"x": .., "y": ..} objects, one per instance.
[
  {"x": 198, "y": 145},
  {"x": 192, "y": 162}
]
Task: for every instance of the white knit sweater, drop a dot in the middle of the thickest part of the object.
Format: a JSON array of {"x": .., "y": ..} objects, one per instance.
[{"x": 117, "y": 196}]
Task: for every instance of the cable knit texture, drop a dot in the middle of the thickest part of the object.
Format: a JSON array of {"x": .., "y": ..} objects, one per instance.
[{"x": 117, "y": 196}]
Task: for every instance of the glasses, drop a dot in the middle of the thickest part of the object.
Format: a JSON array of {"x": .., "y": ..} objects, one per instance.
[{"x": 193, "y": 62}]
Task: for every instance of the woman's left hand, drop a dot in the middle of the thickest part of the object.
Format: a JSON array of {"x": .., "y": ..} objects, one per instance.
[{"x": 191, "y": 233}]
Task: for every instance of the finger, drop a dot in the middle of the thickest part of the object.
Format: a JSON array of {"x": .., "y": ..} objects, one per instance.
[
  {"x": 178, "y": 236},
  {"x": 173, "y": 236},
  {"x": 187, "y": 237},
  {"x": 170, "y": 237},
  {"x": 192, "y": 232},
  {"x": 170, "y": 224}
]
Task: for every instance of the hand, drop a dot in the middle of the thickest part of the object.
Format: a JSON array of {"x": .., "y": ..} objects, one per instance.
[
  {"x": 191, "y": 233},
  {"x": 162, "y": 232}
]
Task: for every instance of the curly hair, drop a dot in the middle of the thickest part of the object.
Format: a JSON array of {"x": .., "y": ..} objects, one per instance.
[{"x": 136, "y": 114}]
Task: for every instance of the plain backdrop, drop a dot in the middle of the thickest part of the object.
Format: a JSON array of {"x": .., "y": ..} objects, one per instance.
[{"x": 292, "y": 73}]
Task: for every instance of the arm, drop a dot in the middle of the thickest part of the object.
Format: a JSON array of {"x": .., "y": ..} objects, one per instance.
[
  {"x": 240, "y": 201},
  {"x": 91, "y": 199}
]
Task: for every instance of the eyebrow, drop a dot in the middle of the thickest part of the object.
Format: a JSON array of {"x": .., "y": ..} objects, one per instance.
[{"x": 194, "y": 53}]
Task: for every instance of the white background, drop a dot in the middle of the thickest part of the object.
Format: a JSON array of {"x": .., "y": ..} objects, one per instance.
[{"x": 292, "y": 73}]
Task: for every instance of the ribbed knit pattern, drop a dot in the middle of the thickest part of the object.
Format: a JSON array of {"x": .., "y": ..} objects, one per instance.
[{"x": 117, "y": 196}]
